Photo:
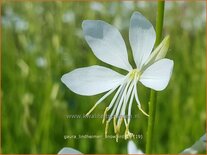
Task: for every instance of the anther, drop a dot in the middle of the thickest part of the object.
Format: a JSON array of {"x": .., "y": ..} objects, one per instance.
[
  {"x": 119, "y": 124},
  {"x": 106, "y": 128},
  {"x": 114, "y": 121},
  {"x": 143, "y": 111},
  {"x": 128, "y": 134},
  {"x": 117, "y": 137},
  {"x": 105, "y": 114}
]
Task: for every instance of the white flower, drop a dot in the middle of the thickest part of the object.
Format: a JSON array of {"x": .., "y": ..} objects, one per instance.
[
  {"x": 132, "y": 149},
  {"x": 152, "y": 69},
  {"x": 198, "y": 147},
  {"x": 68, "y": 150}
]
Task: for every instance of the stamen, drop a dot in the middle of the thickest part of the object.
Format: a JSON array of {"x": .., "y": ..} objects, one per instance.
[
  {"x": 105, "y": 113},
  {"x": 114, "y": 121},
  {"x": 115, "y": 96},
  {"x": 119, "y": 124},
  {"x": 91, "y": 109},
  {"x": 138, "y": 102},
  {"x": 117, "y": 137},
  {"x": 143, "y": 111},
  {"x": 126, "y": 98},
  {"x": 125, "y": 94},
  {"x": 122, "y": 98},
  {"x": 117, "y": 102},
  {"x": 128, "y": 134},
  {"x": 106, "y": 128},
  {"x": 135, "y": 93},
  {"x": 125, "y": 122},
  {"x": 117, "y": 127},
  {"x": 101, "y": 99},
  {"x": 118, "y": 94},
  {"x": 130, "y": 105}
]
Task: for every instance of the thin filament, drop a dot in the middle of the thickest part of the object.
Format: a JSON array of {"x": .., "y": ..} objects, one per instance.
[
  {"x": 122, "y": 98},
  {"x": 101, "y": 99},
  {"x": 126, "y": 98},
  {"x": 130, "y": 102},
  {"x": 117, "y": 102},
  {"x": 138, "y": 102}
]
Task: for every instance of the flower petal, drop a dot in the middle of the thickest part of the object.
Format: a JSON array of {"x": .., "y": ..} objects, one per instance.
[
  {"x": 157, "y": 75},
  {"x": 106, "y": 43},
  {"x": 68, "y": 150},
  {"x": 132, "y": 149},
  {"x": 92, "y": 80},
  {"x": 142, "y": 38},
  {"x": 197, "y": 148}
]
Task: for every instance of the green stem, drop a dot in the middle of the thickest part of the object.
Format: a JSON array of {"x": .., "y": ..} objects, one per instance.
[
  {"x": 159, "y": 21},
  {"x": 153, "y": 95}
]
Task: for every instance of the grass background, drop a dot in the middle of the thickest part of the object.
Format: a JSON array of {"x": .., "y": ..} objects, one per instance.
[{"x": 43, "y": 40}]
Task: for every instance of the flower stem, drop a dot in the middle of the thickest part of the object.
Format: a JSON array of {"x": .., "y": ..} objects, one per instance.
[{"x": 153, "y": 95}]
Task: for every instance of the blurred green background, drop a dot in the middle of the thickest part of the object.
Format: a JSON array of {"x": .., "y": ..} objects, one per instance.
[{"x": 43, "y": 40}]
